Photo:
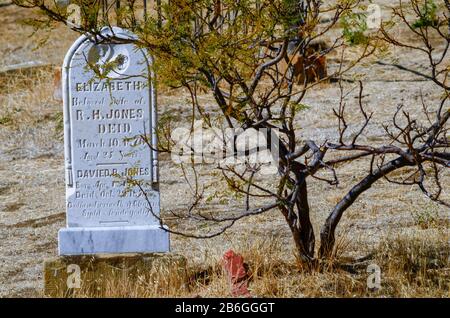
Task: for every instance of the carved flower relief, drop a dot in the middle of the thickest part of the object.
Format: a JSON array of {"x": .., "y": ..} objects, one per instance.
[{"x": 108, "y": 61}]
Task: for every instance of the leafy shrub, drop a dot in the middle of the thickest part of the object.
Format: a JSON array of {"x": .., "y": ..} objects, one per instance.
[
  {"x": 428, "y": 16},
  {"x": 354, "y": 27}
]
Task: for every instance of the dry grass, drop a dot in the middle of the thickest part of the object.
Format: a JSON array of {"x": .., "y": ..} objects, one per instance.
[
  {"x": 157, "y": 280},
  {"x": 31, "y": 123},
  {"x": 408, "y": 233},
  {"x": 411, "y": 267},
  {"x": 415, "y": 266},
  {"x": 27, "y": 97}
]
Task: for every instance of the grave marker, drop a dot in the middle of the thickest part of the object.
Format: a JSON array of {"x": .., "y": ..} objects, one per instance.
[{"x": 109, "y": 102}]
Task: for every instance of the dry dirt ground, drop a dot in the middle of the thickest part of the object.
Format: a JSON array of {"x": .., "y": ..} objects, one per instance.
[{"x": 32, "y": 175}]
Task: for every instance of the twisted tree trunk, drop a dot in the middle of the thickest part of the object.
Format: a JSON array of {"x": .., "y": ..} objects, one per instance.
[{"x": 327, "y": 233}]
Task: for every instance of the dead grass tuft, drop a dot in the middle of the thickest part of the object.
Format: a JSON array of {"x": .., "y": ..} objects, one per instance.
[
  {"x": 416, "y": 266},
  {"x": 410, "y": 267},
  {"x": 27, "y": 97}
]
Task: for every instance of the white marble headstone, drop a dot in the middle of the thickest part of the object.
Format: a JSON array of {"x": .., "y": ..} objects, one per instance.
[{"x": 109, "y": 103}]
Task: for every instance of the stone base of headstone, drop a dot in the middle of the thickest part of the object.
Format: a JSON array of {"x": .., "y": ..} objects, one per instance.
[
  {"x": 109, "y": 239},
  {"x": 119, "y": 275}
]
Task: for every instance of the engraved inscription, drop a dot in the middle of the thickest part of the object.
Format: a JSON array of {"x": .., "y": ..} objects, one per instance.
[{"x": 105, "y": 119}]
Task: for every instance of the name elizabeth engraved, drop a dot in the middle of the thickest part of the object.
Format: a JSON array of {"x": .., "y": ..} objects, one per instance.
[
  {"x": 117, "y": 131},
  {"x": 110, "y": 86}
]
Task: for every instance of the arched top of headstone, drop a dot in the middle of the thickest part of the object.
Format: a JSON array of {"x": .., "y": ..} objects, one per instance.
[
  {"x": 105, "y": 34},
  {"x": 108, "y": 54}
]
